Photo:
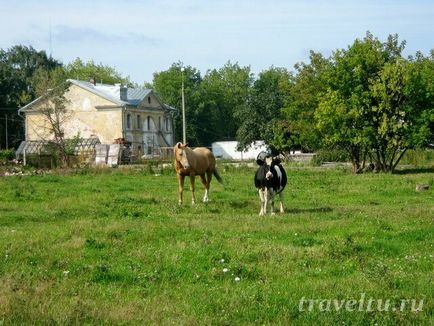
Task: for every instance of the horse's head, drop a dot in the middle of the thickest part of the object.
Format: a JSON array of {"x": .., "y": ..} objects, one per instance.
[{"x": 181, "y": 155}]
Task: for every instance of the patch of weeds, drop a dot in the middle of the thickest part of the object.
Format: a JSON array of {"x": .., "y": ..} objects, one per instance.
[
  {"x": 240, "y": 204},
  {"x": 306, "y": 242},
  {"x": 115, "y": 235},
  {"x": 247, "y": 273},
  {"x": 132, "y": 214},
  {"x": 25, "y": 193},
  {"x": 339, "y": 249},
  {"x": 306, "y": 263},
  {"x": 103, "y": 273},
  {"x": 62, "y": 213},
  {"x": 385, "y": 247},
  {"x": 94, "y": 244},
  {"x": 385, "y": 226},
  {"x": 256, "y": 257}
]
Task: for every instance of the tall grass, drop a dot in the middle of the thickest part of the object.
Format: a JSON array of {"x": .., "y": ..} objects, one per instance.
[{"x": 113, "y": 246}]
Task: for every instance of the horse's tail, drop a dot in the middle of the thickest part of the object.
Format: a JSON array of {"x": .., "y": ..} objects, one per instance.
[{"x": 217, "y": 176}]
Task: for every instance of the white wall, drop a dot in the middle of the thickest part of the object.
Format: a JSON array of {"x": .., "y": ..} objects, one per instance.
[{"x": 227, "y": 150}]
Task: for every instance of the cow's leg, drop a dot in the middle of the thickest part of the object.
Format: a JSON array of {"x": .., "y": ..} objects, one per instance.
[
  {"x": 282, "y": 210},
  {"x": 266, "y": 199},
  {"x": 263, "y": 203},
  {"x": 271, "y": 196},
  {"x": 206, "y": 186},
  {"x": 180, "y": 188},
  {"x": 193, "y": 199}
]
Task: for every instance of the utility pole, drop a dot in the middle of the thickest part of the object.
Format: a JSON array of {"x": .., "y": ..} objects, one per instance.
[{"x": 184, "y": 135}]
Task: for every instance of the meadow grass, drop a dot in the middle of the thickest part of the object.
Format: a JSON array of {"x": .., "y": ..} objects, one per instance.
[{"x": 113, "y": 246}]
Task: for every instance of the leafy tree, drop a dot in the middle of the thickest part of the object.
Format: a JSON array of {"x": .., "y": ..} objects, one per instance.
[
  {"x": 224, "y": 92},
  {"x": 391, "y": 116},
  {"x": 168, "y": 85},
  {"x": 268, "y": 96},
  {"x": 309, "y": 83},
  {"x": 345, "y": 115},
  {"x": 78, "y": 69},
  {"x": 51, "y": 86},
  {"x": 17, "y": 66},
  {"x": 420, "y": 93}
]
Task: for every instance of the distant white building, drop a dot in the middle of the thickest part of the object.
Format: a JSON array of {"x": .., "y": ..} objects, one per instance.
[{"x": 228, "y": 150}]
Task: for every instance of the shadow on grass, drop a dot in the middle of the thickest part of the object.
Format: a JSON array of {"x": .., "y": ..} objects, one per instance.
[
  {"x": 309, "y": 210},
  {"x": 415, "y": 170}
]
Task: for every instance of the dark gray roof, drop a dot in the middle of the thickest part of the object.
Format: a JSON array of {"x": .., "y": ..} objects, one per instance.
[{"x": 136, "y": 95}]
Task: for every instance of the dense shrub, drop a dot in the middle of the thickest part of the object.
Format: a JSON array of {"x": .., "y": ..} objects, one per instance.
[
  {"x": 419, "y": 157},
  {"x": 7, "y": 154},
  {"x": 330, "y": 155}
]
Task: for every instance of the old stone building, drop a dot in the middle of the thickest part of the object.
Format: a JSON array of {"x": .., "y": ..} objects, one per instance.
[{"x": 108, "y": 112}]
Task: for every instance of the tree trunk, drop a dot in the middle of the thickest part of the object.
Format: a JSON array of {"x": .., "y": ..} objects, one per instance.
[{"x": 393, "y": 167}]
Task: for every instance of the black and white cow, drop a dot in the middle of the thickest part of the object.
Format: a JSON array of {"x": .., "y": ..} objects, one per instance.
[{"x": 270, "y": 179}]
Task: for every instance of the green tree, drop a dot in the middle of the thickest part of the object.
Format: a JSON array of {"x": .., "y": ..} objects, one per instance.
[
  {"x": 17, "y": 67},
  {"x": 420, "y": 93},
  {"x": 224, "y": 92},
  {"x": 345, "y": 115},
  {"x": 391, "y": 116},
  {"x": 100, "y": 73},
  {"x": 51, "y": 86},
  {"x": 267, "y": 97},
  {"x": 168, "y": 85},
  {"x": 309, "y": 83}
]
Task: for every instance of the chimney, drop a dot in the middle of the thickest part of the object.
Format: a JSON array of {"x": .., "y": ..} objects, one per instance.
[{"x": 124, "y": 93}]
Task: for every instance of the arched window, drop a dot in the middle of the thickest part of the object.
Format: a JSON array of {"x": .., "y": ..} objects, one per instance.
[
  {"x": 148, "y": 123},
  {"x": 128, "y": 121},
  {"x": 139, "y": 122}
]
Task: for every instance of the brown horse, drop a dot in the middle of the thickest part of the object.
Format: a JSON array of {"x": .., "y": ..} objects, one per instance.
[{"x": 192, "y": 162}]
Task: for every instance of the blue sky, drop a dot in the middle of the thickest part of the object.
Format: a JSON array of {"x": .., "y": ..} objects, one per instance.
[{"x": 141, "y": 37}]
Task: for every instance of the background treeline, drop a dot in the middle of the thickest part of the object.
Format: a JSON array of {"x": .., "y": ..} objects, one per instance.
[{"x": 366, "y": 100}]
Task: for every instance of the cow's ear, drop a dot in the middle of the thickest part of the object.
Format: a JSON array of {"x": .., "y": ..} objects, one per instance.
[
  {"x": 186, "y": 145},
  {"x": 179, "y": 145}
]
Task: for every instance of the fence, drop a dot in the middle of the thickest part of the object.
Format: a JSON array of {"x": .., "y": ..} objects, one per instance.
[{"x": 82, "y": 151}]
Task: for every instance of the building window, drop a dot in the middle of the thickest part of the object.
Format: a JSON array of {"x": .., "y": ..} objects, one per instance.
[
  {"x": 128, "y": 121},
  {"x": 159, "y": 123},
  {"x": 149, "y": 100},
  {"x": 167, "y": 124},
  {"x": 139, "y": 122},
  {"x": 148, "y": 123}
]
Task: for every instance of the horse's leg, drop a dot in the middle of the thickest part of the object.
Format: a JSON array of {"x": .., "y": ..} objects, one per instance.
[
  {"x": 180, "y": 188},
  {"x": 193, "y": 199},
  {"x": 205, "y": 185},
  {"x": 281, "y": 202},
  {"x": 208, "y": 183}
]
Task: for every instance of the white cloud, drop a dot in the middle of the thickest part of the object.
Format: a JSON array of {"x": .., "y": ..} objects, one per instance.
[{"x": 142, "y": 36}]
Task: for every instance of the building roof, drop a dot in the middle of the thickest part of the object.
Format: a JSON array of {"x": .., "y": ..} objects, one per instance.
[{"x": 111, "y": 93}]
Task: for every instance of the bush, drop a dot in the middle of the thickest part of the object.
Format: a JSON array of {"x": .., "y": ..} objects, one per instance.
[
  {"x": 330, "y": 155},
  {"x": 7, "y": 154},
  {"x": 418, "y": 157}
]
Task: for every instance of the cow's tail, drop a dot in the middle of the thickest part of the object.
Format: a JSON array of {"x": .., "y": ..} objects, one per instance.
[{"x": 217, "y": 176}]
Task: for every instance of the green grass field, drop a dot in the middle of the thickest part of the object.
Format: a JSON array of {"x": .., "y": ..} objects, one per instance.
[{"x": 113, "y": 247}]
